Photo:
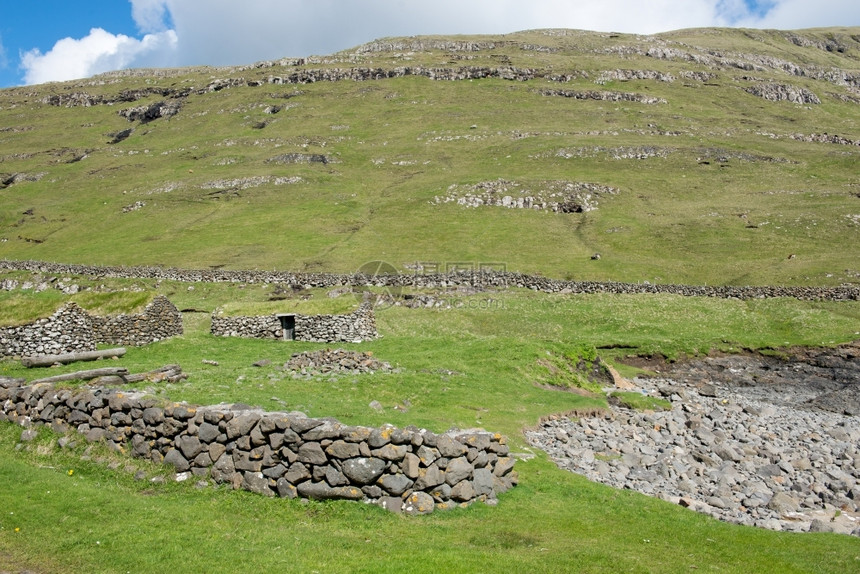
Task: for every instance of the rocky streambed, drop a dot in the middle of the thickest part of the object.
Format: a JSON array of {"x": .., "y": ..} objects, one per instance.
[{"x": 756, "y": 440}]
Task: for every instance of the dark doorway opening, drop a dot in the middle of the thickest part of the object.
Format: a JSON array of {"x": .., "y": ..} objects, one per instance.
[{"x": 288, "y": 324}]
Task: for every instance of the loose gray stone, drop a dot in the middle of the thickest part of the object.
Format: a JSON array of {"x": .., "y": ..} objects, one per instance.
[
  {"x": 458, "y": 470},
  {"x": 819, "y": 525},
  {"x": 395, "y": 484},
  {"x": 450, "y": 448},
  {"x": 363, "y": 470},
  {"x": 241, "y": 425},
  {"x": 297, "y": 473},
  {"x": 463, "y": 491},
  {"x": 189, "y": 445},
  {"x": 783, "y": 503},
  {"x": 174, "y": 457},
  {"x": 312, "y": 453},
  {"x": 411, "y": 465},
  {"x": 207, "y": 432},
  {"x": 322, "y": 491},
  {"x": 342, "y": 449},
  {"x": 482, "y": 481},
  {"x": 503, "y": 466},
  {"x": 429, "y": 477},
  {"x": 391, "y": 504},
  {"x": 419, "y": 503},
  {"x": 256, "y": 482},
  {"x": 390, "y": 452}
]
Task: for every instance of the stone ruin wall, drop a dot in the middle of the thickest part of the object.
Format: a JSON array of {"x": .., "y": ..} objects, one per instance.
[
  {"x": 277, "y": 453},
  {"x": 353, "y": 327},
  {"x": 68, "y": 330},
  {"x": 71, "y": 329},
  {"x": 486, "y": 278},
  {"x": 159, "y": 320}
]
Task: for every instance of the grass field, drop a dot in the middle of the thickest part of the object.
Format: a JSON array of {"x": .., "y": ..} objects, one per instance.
[{"x": 462, "y": 367}]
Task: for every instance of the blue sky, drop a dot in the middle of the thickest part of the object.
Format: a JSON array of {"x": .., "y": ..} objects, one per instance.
[{"x": 52, "y": 40}]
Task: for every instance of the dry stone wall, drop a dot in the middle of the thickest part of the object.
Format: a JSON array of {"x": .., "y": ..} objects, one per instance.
[
  {"x": 492, "y": 279},
  {"x": 353, "y": 327},
  {"x": 71, "y": 329},
  {"x": 159, "y": 320},
  {"x": 68, "y": 330},
  {"x": 278, "y": 453}
]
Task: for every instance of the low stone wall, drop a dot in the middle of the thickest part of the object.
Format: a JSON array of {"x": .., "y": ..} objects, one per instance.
[
  {"x": 288, "y": 454},
  {"x": 159, "y": 320},
  {"x": 71, "y": 329},
  {"x": 353, "y": 327},
  {"x": 68, "y": 330},
  {"x": 493, "y": 279}
]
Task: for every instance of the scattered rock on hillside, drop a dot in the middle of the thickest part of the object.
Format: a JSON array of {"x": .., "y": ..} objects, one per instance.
[
  {"x": 288, "y": 158},
  {"x": 134, "y": 206},
  {"x": 335, "y": 361},
  {"x": 603, "y": 96},
  {"x": 626, "y": 75},
  {"x": 7, "y": 179},
  {"x": 783, "y": 93},
  {"x": 148, "y": 113},
  {"x": 119, "y": 136},
  {"x": 556, "y": 196}
]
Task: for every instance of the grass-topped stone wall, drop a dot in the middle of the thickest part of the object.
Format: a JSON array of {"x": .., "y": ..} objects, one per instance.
[
  {"x": 357, "y": 326},
  {"x": 72, "y": 329},
  {"x": 69, "y": 329},
  {"x": 288, "y": 454}
]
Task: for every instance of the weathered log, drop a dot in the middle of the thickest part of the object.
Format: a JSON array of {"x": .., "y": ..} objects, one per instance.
[
  {"x": 169, "y": 373},
  {"x": 65, "y": 358},
  {"x": 83, "y": 375}
]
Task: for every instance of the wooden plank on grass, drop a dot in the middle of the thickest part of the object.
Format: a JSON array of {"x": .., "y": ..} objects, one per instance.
[{"x": 66, "y": 358}]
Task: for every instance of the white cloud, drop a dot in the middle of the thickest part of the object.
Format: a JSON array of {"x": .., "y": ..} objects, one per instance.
[
  {"x": 4, "y": 61},
  {"x": 226, "y": 32},
  {"x": 795, "y": 14},
  {"x": 98, "y": 52},
  {"x": 150, "y": 15}
]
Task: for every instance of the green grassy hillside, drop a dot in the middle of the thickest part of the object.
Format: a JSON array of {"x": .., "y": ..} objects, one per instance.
[
  {"x": 659, "y": 153},
  {"x": 714, "y": 184}
]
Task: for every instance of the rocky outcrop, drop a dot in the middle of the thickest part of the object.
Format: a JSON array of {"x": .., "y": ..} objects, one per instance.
[
  {"x": 627, "y": 75},
  {"x": 282, "y": 454},
  {"x": 603, "y": 96},
  {"x": 289, "y": 158},
  {"x": 7, "y": 179},
  {"x": 309, "y": 76},
  {"x": 556, "y": 196},
  {"x": 84, "y": 99},
  {"x": 783, "y": 93},
  {"x": 825, "y": 138},
  {"x": 148, "y": 113}
]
